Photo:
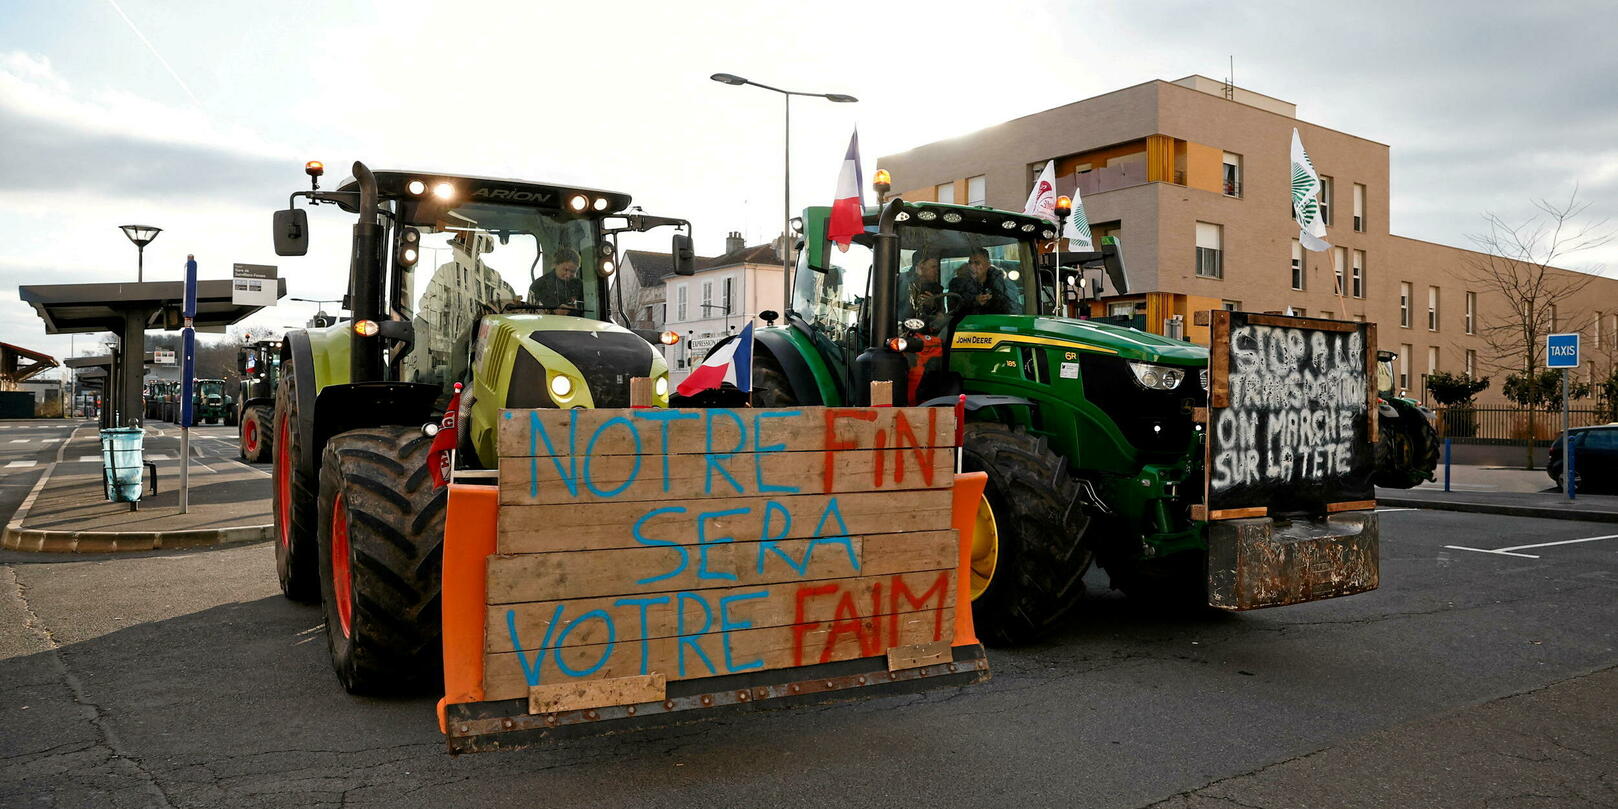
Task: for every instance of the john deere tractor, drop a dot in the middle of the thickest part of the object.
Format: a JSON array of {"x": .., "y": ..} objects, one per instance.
[
  {"x": 512, "y": 305},
  {"x": 210, "y": 404},
  {"x": 259, "y": 363},
  {"x": 1088, "y": 432},
  {"x": 1407, "y": 446}
]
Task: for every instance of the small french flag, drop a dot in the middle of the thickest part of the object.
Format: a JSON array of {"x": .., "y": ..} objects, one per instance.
[
  {"x": 732, "y": 363},
  {"x": 847, "y": 210}
]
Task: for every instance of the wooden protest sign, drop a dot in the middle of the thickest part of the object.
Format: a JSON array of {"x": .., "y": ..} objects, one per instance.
[
  {"x": 1291, "y": 415},
  {"x": 642, "y": 547}
]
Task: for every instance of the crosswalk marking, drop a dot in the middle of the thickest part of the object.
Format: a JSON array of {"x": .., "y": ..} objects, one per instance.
[
  {"x": 20, "y": 440},
  {"x": 20, "y": 464}
]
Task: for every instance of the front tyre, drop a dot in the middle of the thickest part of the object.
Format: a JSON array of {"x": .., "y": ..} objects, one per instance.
[
  {"x": 1029, "y": 552},
  {"x": 294, "y": 498},
  {"x": 381, "y": 550},
  {"x": 257, "y": 429}
]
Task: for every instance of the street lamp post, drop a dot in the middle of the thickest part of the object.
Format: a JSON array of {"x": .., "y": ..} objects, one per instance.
[
  {"x": 141, "y": 235},
  {"x": 786, "y": 206}
]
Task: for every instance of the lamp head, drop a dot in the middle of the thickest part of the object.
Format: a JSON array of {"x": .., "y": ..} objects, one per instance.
[
  {"x": 141, "y": 235},
  {"x": 727, "y": 78},
  {"x": 840, "y": 98}
]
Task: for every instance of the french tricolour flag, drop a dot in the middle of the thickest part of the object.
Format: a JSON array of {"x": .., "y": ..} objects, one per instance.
[
  {"x": 847, "y": 210},
  {"x": 732, "y": 363}
]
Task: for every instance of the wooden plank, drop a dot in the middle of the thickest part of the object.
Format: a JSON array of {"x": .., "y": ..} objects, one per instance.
[
  {"x": 1351, "y": 505},
  {"x": 1199, "y": 513},
  {"x": 507, "y": 674},
  {"x": 918, "y": 655},
  {"x": 602, "y": 526},
  {"x": 1199, "y": 415},
  {"x": 1238, "y": 513},
  {"x": 796, "y": 602},
  {"x": 1219, "y": 361},
  {"x": 579, "y": 696},
  {"x": 640, "y": 392},
  {"x": 1201, "y": 318},
  {"x": 881, "y": 393},
  {"x": 654, "y": 569},
  {"x": 621, "y": 478},
  {"x": 656, "y": 431},
  {"x": 1311, "y": 323}
]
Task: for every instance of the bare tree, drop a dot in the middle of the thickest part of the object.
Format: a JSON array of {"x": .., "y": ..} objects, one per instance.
[{"x": 1517, "y": 261}]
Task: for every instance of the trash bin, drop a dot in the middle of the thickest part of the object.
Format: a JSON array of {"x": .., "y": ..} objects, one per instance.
[{"x": 121, "y": 463}]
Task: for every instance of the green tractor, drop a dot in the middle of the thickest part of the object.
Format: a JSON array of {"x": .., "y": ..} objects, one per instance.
[
  {"x": 514, "y": 306},
  {"x": 1088, "y": 431},
  {"x": 1407, "y": 446},
  {"x": 259, "y": 363},
  {"x": 210, "y": 404}
]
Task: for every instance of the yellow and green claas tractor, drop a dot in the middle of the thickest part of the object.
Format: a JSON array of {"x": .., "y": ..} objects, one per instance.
[{"x": 498, "y": 287}]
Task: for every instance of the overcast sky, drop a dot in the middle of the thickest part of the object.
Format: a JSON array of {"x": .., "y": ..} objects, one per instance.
[{"x": 197, "y": 117}]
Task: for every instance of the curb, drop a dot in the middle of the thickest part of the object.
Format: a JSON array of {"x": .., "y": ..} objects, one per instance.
[
  {"x": 1540, "y": 512},
  {"x": 18, "y": 538}
]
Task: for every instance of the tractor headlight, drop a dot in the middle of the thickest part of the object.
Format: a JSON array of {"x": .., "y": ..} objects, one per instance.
[
  {"x": 1157, "y": 377},
  {"x": 561, "y": 386},
  {"x": 661, "y": 386}
]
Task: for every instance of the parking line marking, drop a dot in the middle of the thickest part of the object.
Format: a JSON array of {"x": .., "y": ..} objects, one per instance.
[
  {"x": 1510, "y": 551},
  {"x": 89, "y": 457},
  {"x": 20, "y": 464},
  {"x": 20, "y": 440}
]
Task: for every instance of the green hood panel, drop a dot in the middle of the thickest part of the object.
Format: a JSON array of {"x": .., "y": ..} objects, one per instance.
[{"x": 981, "y": 331}]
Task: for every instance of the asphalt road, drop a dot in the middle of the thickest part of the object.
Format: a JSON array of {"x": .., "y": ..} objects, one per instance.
[
  {"x": 1469, "y": 679},
  {"x": 27, "y": 448}
]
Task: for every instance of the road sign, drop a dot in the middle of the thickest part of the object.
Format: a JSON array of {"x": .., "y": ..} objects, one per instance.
[
  {"x": 698, "y": 347},
  {"x": 163, "y": 356},
  {"x": 1562, "y": 350},
  {"x": 253, "y": 285}
]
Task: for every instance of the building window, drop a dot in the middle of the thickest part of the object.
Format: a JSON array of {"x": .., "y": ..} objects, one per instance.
[
  {"x": 1120, "y": 310},
  {"x": 1210, "y": 250},
  {"x": 1432, "y": 360},
  {"x": 1232, "y": 306},
  {"x": 946, "y": 192},
  {"x": 1339, "y": 257},
  {"x": 1471, "y": 363},
  {"x": 1359, "y": 207},
  {"x": 977, "y": 190},
  {"x": 1471, "y": 312},
  {"x": 679, "y": 297},
  {"x": 1404, "y": 366},
  {"x": 707, "y": 299},
  {"x": 1233, "y": 175},
  {"x": 1432, "y": 308},
  {"x": 1297, "y": 265},
  {"x": 1357, "y": 282},
  {"x": 1404, "y": 304},
  {"x": 1555, "y": 321},
  {"x": 725, "y": 300},
  {"x": 1325, "y": 200}
]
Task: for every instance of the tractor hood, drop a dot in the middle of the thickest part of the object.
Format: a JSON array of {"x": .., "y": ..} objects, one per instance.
[{"x": 986, "y": 331}]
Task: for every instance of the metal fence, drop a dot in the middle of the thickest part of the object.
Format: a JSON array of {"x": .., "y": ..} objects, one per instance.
[{"x": 1505, "y": 425}]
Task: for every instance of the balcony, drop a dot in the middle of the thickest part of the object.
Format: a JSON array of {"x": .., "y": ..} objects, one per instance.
[{"x": 1111, "y": 178}]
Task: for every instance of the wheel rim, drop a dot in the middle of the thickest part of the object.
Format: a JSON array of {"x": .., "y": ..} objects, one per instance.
[
  {"x": 341, "y": 587},
  {"x": 250, "y": 435},
  {"x": 283, "y": 483},
  {"x": 985, "y": 548}
]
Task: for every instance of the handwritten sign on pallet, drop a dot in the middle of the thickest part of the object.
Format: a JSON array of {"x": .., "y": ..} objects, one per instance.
[
  {"x": 642, "y": 547},
  {"x": 1291, "y": 416}
]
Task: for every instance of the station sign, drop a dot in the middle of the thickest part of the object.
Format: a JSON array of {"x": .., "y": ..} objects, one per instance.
[
  {"x": 253, "y": 285},
  {"x": 163, "y": 356}
]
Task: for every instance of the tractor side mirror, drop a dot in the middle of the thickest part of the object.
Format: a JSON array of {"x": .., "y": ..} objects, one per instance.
[
  {"x": 685, "y": 258},
  {"x": 769, "y": 316},
  {"x": 292, "y": 232}
]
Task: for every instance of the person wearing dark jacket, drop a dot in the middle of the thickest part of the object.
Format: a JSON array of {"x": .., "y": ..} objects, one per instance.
[{"x": 981, "y": 286}]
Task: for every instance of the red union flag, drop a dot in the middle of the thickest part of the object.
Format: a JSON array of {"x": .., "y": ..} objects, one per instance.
[
  {"x": 1042, "y": 199},
  {"x": 848, "y": 209},
  {"x": 440, "y": 456}
]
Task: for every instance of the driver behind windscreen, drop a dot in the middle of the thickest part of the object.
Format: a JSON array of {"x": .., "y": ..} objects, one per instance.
[
  {"x": 561, "y": 291},
  {"x": 981, "y": 286}
]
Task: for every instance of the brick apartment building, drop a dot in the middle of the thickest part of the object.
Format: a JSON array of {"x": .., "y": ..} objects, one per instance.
[{"x": 1193, "y": 178}]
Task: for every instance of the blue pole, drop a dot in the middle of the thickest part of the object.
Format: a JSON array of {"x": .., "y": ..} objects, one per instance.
[
  {"x": 1446, "y": 464},
  {"x": 188, "y": 369}
]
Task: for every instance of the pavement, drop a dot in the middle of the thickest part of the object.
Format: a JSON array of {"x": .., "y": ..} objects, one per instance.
[
  {"x": 66, "y": 509},
  {"x": 1471, "y": 678},
  {"x": 1502, "y": 490}
]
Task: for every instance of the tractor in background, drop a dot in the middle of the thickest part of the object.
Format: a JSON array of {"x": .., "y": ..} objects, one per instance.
[
  {"x": 1407, "y": 447},
  {"x": 259, "y": 364}
]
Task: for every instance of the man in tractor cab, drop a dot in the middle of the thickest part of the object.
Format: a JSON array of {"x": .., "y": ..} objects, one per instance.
[
  {"x": 921, "y": 296},
  {"x": 981, "y": 286},
  {"x": 561, "y": 291}
]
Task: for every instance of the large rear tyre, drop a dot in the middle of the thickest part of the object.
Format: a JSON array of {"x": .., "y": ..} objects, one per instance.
[
  {"x": 1029, "y": 551},
  {"x": 381, "y": 552},
  {"x": 257, "y": 429},
  {"x": 294, "y": 498},
  {"x": 1407, "y": 453},
  {"x": 771, "y": 387}
]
